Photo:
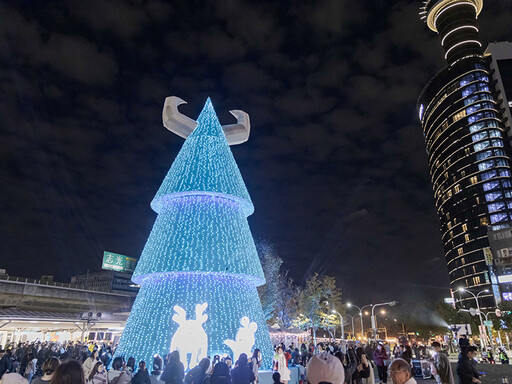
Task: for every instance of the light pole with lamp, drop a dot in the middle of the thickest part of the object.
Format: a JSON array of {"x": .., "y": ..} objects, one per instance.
[
  {"x": 342, "y": 327},
  {"x": 477, "y": 307},
  {"x": 352, "y": 319},
  {"x": 374, "y": 324},
  {"x": 360, "y": 314}
]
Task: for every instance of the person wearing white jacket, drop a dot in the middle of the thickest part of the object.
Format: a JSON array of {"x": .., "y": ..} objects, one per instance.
[{"x": 89, "y": 363}]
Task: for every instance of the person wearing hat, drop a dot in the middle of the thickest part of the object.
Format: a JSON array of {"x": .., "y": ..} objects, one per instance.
[
  {"x": 325, "y": 368},
  {"x": 400, "y": 372}
]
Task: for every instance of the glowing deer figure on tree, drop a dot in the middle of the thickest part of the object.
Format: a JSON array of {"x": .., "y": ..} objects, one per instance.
[{"x": 190, "y": 337}]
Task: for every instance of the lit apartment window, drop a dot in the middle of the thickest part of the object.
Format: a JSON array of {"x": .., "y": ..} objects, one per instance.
[
  {"x": 460, "y": 251},
  {"x": 466, "y": 237},
  {"x": 457, "y": 188},
  {"x": 459, "y": 115},
  {"x": 473, "y": 180},
  {"x": 484, "y": 221},
  {"x": 464, "y": 227}
]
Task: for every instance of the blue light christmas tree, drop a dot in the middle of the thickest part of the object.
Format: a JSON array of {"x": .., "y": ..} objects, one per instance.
[{"x": 199, "y": 269}]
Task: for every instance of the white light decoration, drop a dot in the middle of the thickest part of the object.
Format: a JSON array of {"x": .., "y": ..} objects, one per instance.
[
  {"x": 244, "y": 340},
  {"x": 190, "y": 337},
  {"x": 200, "y": 256}
]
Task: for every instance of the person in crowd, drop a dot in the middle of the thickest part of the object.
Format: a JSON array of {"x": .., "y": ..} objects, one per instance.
[
  {"x": 441, "y": 368},
  {"x": 90, "y": 362},
  {"x": 98, "y": 374},
  {"x": 142, "y": 375},
  {"x": 279, "y": 364},
  {"x": 379, "y": 357},
  {"x": 70, "y": 372},
  {"x": 49, "y": 367},
  {"x": 174, "y": 371},
  {"x": 130, "y": 364},
  {"x": 31, "y": 368},
  {"x": 503, "y": 356},
  {"x": 13, "y": 378},
  {"x": 197, "y": 374},
  {"x": 256, "y": 363},
  {"x": 325, "y": 368},
  {"x": 117, "y": 369},
  {"x": 466, "y": 367},
  {"x": 362, "y": 370},
  {"x": 463, "y": 342},
  {"x": 407, "y": 355},
  {"x": 400, "y": 372},
  {"x": 220, "y": 374},
  {"x": 276, "y": 378},
  {"x": 5, "y": 362},
  {"x": 242, "y": 374},
  {"x": 156, "y": 373}
]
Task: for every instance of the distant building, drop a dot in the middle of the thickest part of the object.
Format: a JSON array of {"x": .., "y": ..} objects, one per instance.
[
  {"x": 500, "y": 55},
  {"x": 465, "y": 128},
  {"x": 107, "y": 281}
]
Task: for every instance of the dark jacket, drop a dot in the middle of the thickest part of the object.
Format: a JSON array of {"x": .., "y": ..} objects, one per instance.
[
  {"x": 242, "y": 374},
  {"x": 380, "y": 356},
  {"x": 5, "y": 364},
  {"x": 173, "y": 373},
  {"x": 141, "y": 377},
  {"x": 466, "y": 370},
  {"x": 195, "y": 376}
]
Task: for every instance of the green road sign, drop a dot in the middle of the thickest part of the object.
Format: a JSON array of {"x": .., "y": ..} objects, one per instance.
[
  {"x": 116, "y": 262},
  {"x": 488, "y": 323}
]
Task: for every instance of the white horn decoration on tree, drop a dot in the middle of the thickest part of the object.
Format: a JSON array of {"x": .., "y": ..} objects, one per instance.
[{"x": 183, "y": 125}]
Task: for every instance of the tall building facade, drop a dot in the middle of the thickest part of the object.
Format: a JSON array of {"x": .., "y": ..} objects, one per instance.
[{"x": 468, "y": 152}]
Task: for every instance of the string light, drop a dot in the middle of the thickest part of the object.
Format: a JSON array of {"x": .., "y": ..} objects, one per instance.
[{"x": 199, "y": 269}]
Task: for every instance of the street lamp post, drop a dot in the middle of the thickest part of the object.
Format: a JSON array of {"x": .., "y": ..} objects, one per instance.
[
  {"x": 352, "y": 319},
  {"x": 478, "y": 309},
  {"x": 374, "y": 324},
  {"x": 361, "y": 315},
  {"x": 342, "y": 327}
]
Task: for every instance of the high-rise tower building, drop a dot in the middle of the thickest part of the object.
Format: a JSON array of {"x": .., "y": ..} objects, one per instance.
[{"x": 467, "y": 148}]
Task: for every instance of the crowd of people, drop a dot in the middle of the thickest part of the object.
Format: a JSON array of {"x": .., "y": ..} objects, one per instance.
[{"x": 80, "y": 363}]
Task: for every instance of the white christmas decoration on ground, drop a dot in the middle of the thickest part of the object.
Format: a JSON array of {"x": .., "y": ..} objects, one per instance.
[
  {"x": 244, "y": 340},
  {"x": 190, "y": 337}
]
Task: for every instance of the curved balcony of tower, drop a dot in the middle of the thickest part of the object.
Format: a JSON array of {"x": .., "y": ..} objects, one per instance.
[{"x": 455, "y": 21}]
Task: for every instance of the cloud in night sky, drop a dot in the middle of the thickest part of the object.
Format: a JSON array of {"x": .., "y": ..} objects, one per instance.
[{"x": 335, "y": 164}]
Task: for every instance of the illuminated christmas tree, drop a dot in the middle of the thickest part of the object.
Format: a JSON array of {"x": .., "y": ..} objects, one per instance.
[{"x": 199, "y": 269}]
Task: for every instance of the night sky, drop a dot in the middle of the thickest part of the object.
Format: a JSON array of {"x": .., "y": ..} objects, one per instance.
[{"x": 335, "y": 163}]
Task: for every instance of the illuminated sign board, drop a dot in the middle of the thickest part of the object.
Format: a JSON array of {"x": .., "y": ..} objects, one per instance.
[
  {"x": 117, "y": 262},
  {"x": 507, "y": 296},
  {"x": 505, "y": 278}
]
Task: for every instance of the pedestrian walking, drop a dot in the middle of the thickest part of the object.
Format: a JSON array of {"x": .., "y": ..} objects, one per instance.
[
  {"x": 466, "y": 367},
  {"x": 362, "y": 368},
  {"x": 280, "y": 365},
  {"x": 380, "y": 358},
  {"x": 441, "y": 368}
]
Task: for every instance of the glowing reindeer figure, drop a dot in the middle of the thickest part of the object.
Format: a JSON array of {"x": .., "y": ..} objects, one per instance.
[
  {"x": 190, "y": 337},
  {"x": 244, "y": 339}
]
